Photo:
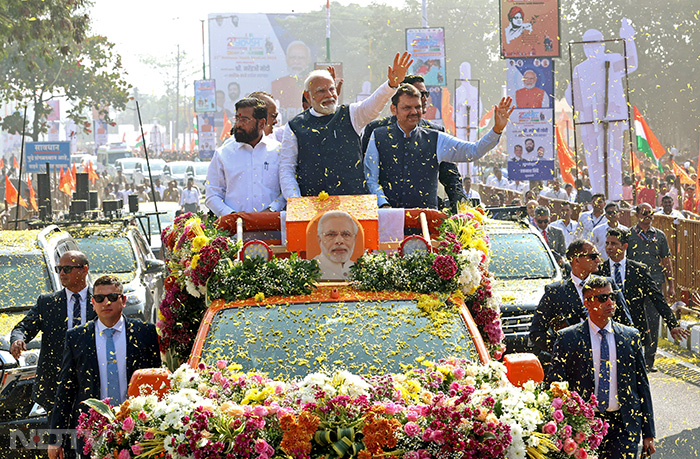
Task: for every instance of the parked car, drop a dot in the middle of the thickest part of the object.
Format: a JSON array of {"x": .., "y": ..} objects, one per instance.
[
  {"x": 128, "y": 166},
  {"x": 200, "y": 174},
  {"x": 123, "y": 251},
  {"x": 27, "y": 269},
  {"x": 148, "y": 224},
  {"x": 179, "y": 171},
  {"x": 522, "y": 264},
  {"x": 141, "y": 170}
]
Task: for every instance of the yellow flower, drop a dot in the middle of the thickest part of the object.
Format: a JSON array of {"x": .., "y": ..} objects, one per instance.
[
  {"x": 259, "y": 297},
  {"x": 199, "y": 242},
  {"x": 195, "y": 260},
  {"x": 322, "y": 196}
]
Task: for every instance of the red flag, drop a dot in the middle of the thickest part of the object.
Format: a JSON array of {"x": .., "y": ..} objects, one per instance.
[
  {"x": 565, "y": 160},
  {"x": 226, "y": 130},
  {"x": 447, "y": 116},
  {"x": 11, "y": 194},
  {"x": 14, "y": 163},
  {"x": 124, "y": 137},
  {"x": 682, "y": 174},
  {"x": 32, "y": 195},
  {"x": 636, "y": 167},
  {"x": 2, "y": 164},
  {"x": 64, "y": 182}
]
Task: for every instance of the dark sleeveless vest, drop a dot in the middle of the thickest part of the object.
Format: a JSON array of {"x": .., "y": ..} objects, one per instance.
[
  {"x": 329, "y": 156},
  {"x": 408, "y": 167}
]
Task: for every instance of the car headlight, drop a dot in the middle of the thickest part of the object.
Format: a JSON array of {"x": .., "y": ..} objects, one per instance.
[
  {"x": 29, "y": 358},
  {"x": 134, "y": 297}
]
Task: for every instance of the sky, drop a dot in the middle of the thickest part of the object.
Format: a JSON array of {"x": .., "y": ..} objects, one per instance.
[{"x": 157, "y": 27}]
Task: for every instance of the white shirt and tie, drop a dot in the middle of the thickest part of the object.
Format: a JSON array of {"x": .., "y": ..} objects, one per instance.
[
  {"x": 578, "y": 283},
  {"x": 596, "y": 341},
  {"x": 70, "y": 305},
  {"x": 119, "y": 338},
  {"x": 622, "y": 268}
]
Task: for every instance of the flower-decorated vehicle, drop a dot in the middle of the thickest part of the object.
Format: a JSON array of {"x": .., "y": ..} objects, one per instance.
[{"x": 390, "y": 363}]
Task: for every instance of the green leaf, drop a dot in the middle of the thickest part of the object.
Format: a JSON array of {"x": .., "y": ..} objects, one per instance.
[{"x": 101, "y": 407}]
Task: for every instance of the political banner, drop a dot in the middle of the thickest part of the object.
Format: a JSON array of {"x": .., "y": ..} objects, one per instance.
[
  {"x": 206, "y": 132},
  {"x": 37, "y": 154},
  {"x": 529, "y": 29},
  {"x": 101, "y": 134},
  {"x": 427, "y": 48},
  {"x": 530, "y": 139},
  {"x": 255, "y": 52},
  {"x": 530, "y": 82},
  {"x": 55, "y": 113},
  {"x": 52, "y": 134},
  {"x": 204, "y": 96}
]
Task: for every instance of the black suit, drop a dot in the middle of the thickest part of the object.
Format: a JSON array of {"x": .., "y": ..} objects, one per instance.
[
  {"x": 79, "y": 379},
  {"x": 448, "y": 174},
  {"x": 639, "y": 287},
  {"x": 560, "y": 307},
  {"x": 573, "y": 362},
  {"x": 48, "y": 316}
]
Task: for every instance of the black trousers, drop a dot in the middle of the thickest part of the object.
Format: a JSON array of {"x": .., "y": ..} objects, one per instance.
[{"x": 619, "y": 443}]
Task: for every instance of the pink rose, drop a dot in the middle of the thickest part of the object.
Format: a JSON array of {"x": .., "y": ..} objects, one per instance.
[
  {"x": 459, "y": 373},
  {"x": 558, "y": 415},
  {"x": 137, "y": 449},
  {"x": 221, "y": 364},
  {"x": 557, "y": 403},
  {"x": 148, "y": 435},
  {"x": 566, "y": 430},
  {"x": 579, "y": 437},
  {"x": 260, "y": 411},
  {"x": 570, "y": 446},
  {"x": 391, "y": 408},
  {"x": 411, "y": 429},
  {"x": 411, "y": 415},
  {"x": 124, "y": 454},
  {"x": 411, "y": 455},
  {"x": 261, "y": 446},
  {"x": 128, "y": 425},
  {"x": 550, "y": 428},
  {"x": 581, "y": 454}
]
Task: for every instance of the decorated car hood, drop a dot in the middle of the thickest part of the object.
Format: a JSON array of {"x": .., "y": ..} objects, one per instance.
[{"x": 518, "y": 292}]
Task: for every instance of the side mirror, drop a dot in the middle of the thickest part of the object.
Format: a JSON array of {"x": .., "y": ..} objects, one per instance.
[
  {"x": 523, "y": 368},
  {"x": 154, "y": 266}
]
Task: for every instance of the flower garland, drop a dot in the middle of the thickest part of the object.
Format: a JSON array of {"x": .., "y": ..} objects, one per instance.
[
  {"x": 460, "y": 265},
  {"x": 445, "y": 409}
]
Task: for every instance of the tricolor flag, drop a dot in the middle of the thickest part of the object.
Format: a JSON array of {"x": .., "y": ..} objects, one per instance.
[
  {"x": 139, "y": 140},
  {"x": 486, "y": 119},
  {"x": 647, "y": 142}
]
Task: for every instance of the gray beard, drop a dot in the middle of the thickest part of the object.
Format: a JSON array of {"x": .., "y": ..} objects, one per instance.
[{"x": 328, "y": 109}]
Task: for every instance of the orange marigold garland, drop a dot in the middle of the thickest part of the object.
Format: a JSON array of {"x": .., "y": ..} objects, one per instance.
[
  {"x": 298, "y": 432},
  {"x": 378, "y": 433}
]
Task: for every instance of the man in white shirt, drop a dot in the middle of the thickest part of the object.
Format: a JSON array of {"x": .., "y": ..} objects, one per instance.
[
  {"x": 468, "y": 192},
  {"x": 554, "y": 191},
  {"x": 337, "y": 233},
  {"x": 593, "y": 218},
  {"x": 497, "y": 179},
  {"x": 520, "y": 186},
  {"x": 189, "y": 199},
  {"x": 667, "y": 208},
  {"x": 243, "y": 175},
  {"x": 600, "y": 232},
  {"x": 159, "y": 189},
  {"x": 571, "y": 228},
  {"x": 321, "y": 148}
]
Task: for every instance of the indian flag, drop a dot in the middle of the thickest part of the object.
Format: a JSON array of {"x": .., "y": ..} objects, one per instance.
[
  {"x": 486, "y": 119},
  {"x": 647, "y": 141},
  {"x": 139, "y": 141}
]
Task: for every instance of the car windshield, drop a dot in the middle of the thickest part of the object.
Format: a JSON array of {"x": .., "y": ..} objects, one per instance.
[
  {"x": 178, "y": 168},
  {"x": 112, "y": 255},
  {"x": 129, "y": 163},
  {"x": 166, "y": 220},
  {"x": 201, "y": 168},
  {"x": 23, "y": 277},
  {"x": 156, "y": 166},
  {"x": 519, "y": 256},
  {"x": 364, "y": 337}
]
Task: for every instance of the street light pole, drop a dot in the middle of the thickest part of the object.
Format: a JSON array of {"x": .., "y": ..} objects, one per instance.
[{"x": 204, "y": 67}]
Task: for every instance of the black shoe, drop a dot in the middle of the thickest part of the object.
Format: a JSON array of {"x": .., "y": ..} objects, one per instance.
[{"x": 652, "y": 370}]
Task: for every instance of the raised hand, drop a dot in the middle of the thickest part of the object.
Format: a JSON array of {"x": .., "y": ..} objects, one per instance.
[
  {"x": 501, "y": 113},
  {"x": 398, "y": 71},
  {"x": 338, "y": 82}
]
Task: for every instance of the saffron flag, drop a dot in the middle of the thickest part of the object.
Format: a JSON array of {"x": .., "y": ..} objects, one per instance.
[
  {"x": 32, "y": 195},
  {"x": 447, "y": 112},
  {"x": 92, "y": 175},
  {"x": 11, "y": 194},
  {"x": 647, "y": 142},
  {"x": 2, "y": 164},
  {"x": 679, "y": 172},
  {"x": 486, "y": 119},
  {"x": 565, "y": 160},
  {"x": 64, "y": 182},
  {"x": 73, "y": 177},
  {"x": 226, "y": 130},
  {"x": 636, "y": 166},
  {"x": 14, "y": 163}
]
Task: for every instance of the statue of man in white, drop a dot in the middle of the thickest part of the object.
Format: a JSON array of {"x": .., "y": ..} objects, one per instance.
[{"x": 468, "y": 111}]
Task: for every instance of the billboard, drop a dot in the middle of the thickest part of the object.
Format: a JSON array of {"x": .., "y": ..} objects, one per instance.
[
  {"x": 204, "y": 96},
  {"x": 529, "y": 29},
  {"x": 254, "y": 52},
  {"x": 530, "y": 82},
  {"x": 37, "y": 154},
  {"x": 427, "y": 48}
]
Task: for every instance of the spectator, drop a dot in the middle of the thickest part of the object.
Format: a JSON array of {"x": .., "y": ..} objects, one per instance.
[
  {"x": 570, "y": 192},
  {"x": 497, "y": 179},
  {"x": 663, "y": 191},
  {"x": 583, "y": 195},
  {"x": 589, "y": 220},
  {"x": 519, "y": 186},
  {"x": 689, "y": 202},
  {"x": 159, "y": 189},
  {"x": 530, "y": 207},
  {"x": 627, "y": 189},
  {"x": 141, "y": 193},
  {"x": 648, "y": 245},
  {"x": 171, "y": 193},
  {"x": 647, "y": 193},
  {"x": 667, "y": 208},
  {"x": 600, "y": 232},
  {"x": 554, "y": 191},
  {"x": 243, "y": 176},
  {"x": 553, "y": 236},
  {"x": 469, "y": 193},
  {"x": 571, "y": 228},
  {"x": 189, "y": 199}
]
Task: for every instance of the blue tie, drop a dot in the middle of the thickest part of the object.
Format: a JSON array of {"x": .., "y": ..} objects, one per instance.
[
  {"x": 113, "y": 391},
  {"x": 618, "y": 275},
  {"x": 604, "y": 376},
  {"x": 76, "y": 310}
]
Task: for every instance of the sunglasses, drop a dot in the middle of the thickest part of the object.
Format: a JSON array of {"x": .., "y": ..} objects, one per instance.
[
  {"x": 590, "y": 256},
  {"x": 425, "y": 94},
  {"x": 646, "y": 213},
  {"x": 603, "y": 297},
  {"x": 67, "y": 269},
  {"x": 112, "y": 297},
  {"x": 611, "y": 212}
]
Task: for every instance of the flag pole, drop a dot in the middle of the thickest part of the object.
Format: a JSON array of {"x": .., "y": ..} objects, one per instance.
[
  {"x": 328, "y": 30},
  {"x": 21, "y": 160},
  {"x": 150, "y": 177}
]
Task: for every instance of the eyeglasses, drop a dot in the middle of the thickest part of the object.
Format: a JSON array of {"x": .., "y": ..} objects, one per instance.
[
  {"x": 646, "y": 213},
  {"x": 590, "y": 256},
  {"x": 543, "y": 222},
  {"x": 112, "y": 297},
  {"x": 67, "y": 269},
  {"x": 425, "y": 94},
  {"x": 611, "y": 212},
  {"x": 243, "y": 119},
  {"x": 603, "y": 297},
  {"x": 330, "y": 235}
]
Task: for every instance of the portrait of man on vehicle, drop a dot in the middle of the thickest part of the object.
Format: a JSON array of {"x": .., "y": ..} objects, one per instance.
[{"x": 337, "y": 233}]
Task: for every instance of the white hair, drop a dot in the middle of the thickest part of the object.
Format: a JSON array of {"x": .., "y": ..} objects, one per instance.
[
  {"x": 316, "y": 74},
  {"x": 335, "y": 214}
]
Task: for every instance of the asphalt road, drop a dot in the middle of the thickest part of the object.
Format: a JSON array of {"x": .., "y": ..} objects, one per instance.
[{"x": 677, "y": 417}]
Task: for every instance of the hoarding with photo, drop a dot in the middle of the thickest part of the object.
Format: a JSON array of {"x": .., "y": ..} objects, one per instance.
[
  {"x": 427, "y": 48},
  {"x": 529, "y": 28},
  {"x": 530, "y": 140}
]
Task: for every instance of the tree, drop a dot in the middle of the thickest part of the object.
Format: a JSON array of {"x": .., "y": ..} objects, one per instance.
[{"x": 89, "y": 74}]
